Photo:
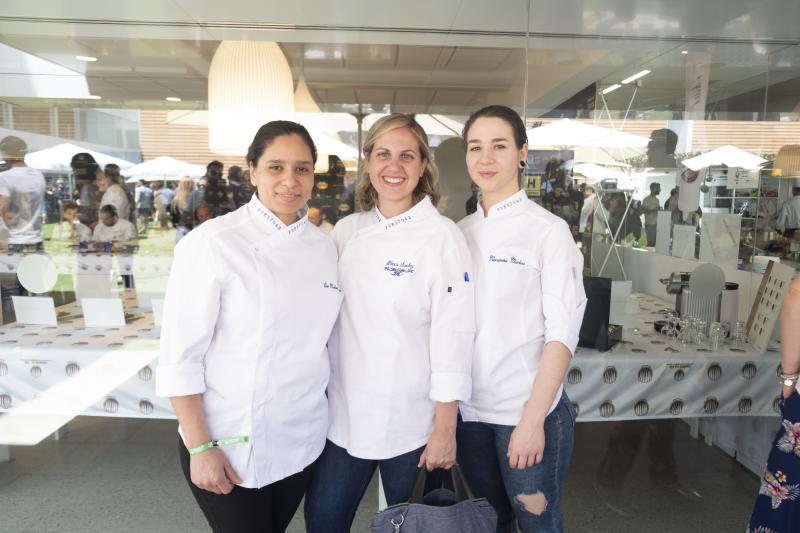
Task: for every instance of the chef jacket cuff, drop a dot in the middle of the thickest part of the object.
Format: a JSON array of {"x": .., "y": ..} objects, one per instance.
[
  {"x": 564, "y": 336},
  {"x": 450, "y": 387},
  {"x": 180, "y": 380}
]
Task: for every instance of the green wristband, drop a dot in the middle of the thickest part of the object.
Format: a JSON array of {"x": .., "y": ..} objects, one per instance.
[{"x": 215, "y": 443}]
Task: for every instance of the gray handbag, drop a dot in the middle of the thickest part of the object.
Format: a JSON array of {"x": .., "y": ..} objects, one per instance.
[{"x": 452, "y": 509}]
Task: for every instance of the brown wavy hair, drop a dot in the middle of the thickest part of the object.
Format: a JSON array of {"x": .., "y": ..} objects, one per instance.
[{"x": 366, "y": 195}]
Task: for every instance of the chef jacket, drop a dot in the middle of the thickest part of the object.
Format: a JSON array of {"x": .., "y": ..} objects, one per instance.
[
  {"x": 249, "y": 308},
  {"x": 404, "y": 337},
  {"x": 122, "y": 230},
  {"x": 528, "y": 292},
  {"x": 789, "y": 216}
]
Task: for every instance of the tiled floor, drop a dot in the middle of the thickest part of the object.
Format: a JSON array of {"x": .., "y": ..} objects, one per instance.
[{"x": 122, "y": 475}]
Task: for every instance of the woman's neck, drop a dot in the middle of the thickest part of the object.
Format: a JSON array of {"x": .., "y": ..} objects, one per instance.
[
  {"x": 491, "y": 199},
  {"x": 390, "y": 209}
]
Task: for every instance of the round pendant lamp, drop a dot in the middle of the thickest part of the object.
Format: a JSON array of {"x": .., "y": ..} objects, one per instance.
[{"x": 249, "y": 84}]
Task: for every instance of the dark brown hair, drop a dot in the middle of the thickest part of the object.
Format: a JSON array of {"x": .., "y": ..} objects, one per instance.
[{"x": 272, "y": 130}]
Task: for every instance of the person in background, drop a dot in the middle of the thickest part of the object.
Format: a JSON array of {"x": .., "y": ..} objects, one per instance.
[
  {"x": 22, "y": 203},
  {"x": 114, "y": 193},
  {"x": 516, "y": 432},
  {"x": 22, "y": 195},
  {"x": 589, "y": 202},
  {"x": 145, "y": 201},
  {"x": 243, "y": 358},
  {"x": 316, "y": 217},
  {"x": 777, "y": 506},
  {"x": 112, "y": 228},
  {"x": 70, "y": 228},
  {"x": 197, "y": 198},
  {"x": 212, "y": 191},
  {"x": 87, "y": 193},
  {"x": 202, "y": 213},
  {"x": 161, "y": 203},
  {"x": 789, "y": 216},
  {"x": 182, "y": 216},
  {"x": 650, "y": 207},
  {"x": 661, "y": 149},
  {"x": 239, "y": 185}
]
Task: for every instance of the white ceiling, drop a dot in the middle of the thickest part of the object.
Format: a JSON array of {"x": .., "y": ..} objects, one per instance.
[{"x": 446, "y": 56}]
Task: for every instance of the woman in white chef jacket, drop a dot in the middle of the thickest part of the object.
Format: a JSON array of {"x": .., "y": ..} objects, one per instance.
[
  {"x": 516, "y": 432},
  {"x": 402, "y": 346},
  {"x": 243, "y": 353}
]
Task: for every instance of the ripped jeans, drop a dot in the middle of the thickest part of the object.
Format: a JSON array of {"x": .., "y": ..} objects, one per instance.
[{"x": 529, "y": 498}]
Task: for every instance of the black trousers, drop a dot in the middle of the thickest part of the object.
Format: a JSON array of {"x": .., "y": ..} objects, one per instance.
[{"x": 265, "y": 510}]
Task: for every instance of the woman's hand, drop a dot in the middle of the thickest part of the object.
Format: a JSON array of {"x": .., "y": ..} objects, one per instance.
[
  {"x": 526, "y": 446},
  {"x": 440, "y": 452},
  {"x": 211, "y": 471}
]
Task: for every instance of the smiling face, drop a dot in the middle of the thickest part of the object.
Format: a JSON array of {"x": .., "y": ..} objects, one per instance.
[
  {"x": 284, "y": 176},
  {"x": 493, "y": 159},
  {"x": 395, "y": 166}
]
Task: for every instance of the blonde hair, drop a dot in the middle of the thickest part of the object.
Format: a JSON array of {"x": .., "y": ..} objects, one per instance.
[
  {"x": 185, "y": 188},
  {"x": 366, "y": 195}
]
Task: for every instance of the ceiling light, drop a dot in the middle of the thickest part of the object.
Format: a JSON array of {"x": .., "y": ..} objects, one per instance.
[
  {"x": 94, "y": 97},
  {"x": 314, "y": 53},
  {"x": 88, "y": 59},
  {"x": 636, "y": 76},
  {"x": 249, "y": 84},
  {"x": 611, "y": 88},
  {"x": 172, "y": 99},
  {"x": 684, "y": 52}
]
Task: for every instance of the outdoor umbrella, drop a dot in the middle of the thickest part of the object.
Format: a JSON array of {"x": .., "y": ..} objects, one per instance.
[{"x": 727, "y": 155}]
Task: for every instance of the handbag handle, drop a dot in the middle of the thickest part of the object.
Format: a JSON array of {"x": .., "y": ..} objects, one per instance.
[{"x": 453, "y": 479}]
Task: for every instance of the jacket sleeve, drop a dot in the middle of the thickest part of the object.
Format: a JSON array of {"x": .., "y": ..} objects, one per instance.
[
  {"x": 563, "y": 297},
  {"x": 452, "y": 325},
  {"x": 191, "y": 307}
]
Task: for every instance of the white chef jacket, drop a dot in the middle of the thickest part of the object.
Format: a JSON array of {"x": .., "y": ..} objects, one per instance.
[
  {"x": 528, "y": 292},
  {"x": 404, "y": 337},
  {"x": 249, "y": 307},
  {"x": 123, "y": 230},
  {"x": 789, "y": 216}
]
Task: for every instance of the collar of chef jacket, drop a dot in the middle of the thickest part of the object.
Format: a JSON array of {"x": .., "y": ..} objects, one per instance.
[
  {"x": 421, "y": 210},
  {"x": 507, "y": 206},
  {"x": 273, "y": 226}
]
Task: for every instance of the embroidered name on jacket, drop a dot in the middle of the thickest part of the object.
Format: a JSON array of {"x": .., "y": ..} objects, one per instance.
[
  {"x": 511, "y": 260},
  {"x": 398, "y": 269},
  {"x": 328, "y": 285}
]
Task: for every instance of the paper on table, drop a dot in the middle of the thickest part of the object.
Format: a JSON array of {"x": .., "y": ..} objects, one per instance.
[
  {"x": 683, "y": 241},
  {"x": 158, "y": 310},
  {"x": 102, "y": 312},
  {"x": 39, "y": 310}
]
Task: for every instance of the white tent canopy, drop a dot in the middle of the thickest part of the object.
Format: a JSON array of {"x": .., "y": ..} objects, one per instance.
[
  {"x": 163, "y": 168},
  {"x": 432, "y": 124},
  {"x": 57, "y": 158},
  {"x": 568, "y": 133},
  {"x": 727, "y": 155},
  {"x": 594, "y": 173}
]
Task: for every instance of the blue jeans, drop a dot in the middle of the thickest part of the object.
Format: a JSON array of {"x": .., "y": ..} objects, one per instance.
[
  {"x": 340, "y": 480},
  {"x": 482, "y": 452}
]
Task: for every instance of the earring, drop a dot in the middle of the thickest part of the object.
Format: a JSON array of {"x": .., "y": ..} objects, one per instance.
[{"x": 522, "y": 164}]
